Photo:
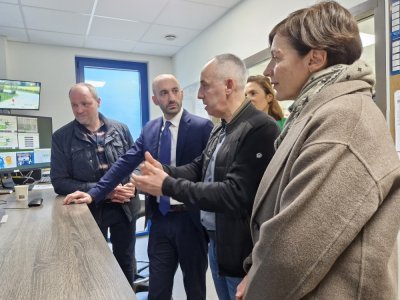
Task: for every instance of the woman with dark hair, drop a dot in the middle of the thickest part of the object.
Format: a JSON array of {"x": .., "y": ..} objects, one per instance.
[
  {"x": 261, "y": 93},
  {"x": 326, "y": 214}
]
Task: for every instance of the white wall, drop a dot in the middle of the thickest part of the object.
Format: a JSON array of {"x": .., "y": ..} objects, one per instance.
[
  {"x": 3, "y": 65},
  {"x": 54, "y": 67},
  {"x": 243, "y": 31}
]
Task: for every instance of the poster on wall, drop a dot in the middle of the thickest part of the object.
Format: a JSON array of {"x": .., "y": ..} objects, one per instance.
[
  {"x": 397, "y": 119},
  {"x": 395, "y": 37},
  {"x": 394, "y": 78}
]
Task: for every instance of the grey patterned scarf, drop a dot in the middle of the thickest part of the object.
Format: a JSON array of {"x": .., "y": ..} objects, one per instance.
[{"x": 318, "y": 81}]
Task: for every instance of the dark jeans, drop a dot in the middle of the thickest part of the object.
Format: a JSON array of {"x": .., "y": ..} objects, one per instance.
[
  {"x": 122, "y": 237},
  {"x": 174, "y": 238},
  {"x": 224, "y": 285}
]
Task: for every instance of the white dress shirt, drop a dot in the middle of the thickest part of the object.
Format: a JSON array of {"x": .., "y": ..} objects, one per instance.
[{"x": 174, "y": 139}]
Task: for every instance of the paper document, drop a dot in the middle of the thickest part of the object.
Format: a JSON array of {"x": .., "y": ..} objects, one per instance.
[
  {"x": 397, "y": 119},
  {"x": 42, "y": 187}
]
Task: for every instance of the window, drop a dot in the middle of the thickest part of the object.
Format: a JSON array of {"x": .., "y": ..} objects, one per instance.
[{"x": 122, "y": 87}]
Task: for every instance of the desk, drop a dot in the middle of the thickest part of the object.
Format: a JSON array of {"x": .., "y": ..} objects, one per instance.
[{"x": 56, "y": 251}]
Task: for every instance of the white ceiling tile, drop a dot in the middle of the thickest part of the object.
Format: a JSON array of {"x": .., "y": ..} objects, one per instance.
[
  {"x": 81, "y": 6},
  {"x": 223, "y": 3},
  {"x": 155, "y": 49},
  {"x": 109, "y": 44},
  {"x": 156, "y": 34},
  {"x": 120, "y": 25},
  {"x": 10, "y": 15},
  {"x": 14, "y": 34},
  {"x": 51, "y": 20},
  {"x": 118, "y": 29},
  {"x": 56, "y": 38},
  {"x": 135, "y": 10},
  {"x": 189, "y": 15}
]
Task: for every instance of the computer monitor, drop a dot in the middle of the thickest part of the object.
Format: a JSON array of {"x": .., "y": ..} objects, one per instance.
[
  {"x": 25, "y": 145},
  {"x": 19, "y": 94}
]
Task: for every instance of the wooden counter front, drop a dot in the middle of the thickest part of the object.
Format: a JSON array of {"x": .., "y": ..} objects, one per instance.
[{"x": 56, "y": 251}]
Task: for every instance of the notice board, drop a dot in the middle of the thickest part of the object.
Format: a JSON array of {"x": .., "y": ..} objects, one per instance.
[{"x": 395, "y": 71}]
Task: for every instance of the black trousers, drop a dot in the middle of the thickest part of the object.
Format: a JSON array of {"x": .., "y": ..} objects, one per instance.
[
  {"x": 174, "y": 238},
  {"x": 122, "y": 237}
]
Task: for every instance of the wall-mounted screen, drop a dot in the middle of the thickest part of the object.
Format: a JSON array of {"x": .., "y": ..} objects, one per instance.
[
  {"x": 18, "y": 94},
  {"x": 25, "y": 142}
]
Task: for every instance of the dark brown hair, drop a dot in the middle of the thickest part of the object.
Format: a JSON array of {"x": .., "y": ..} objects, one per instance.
[
  {"x": 326, "y": 26},
  {"x": 274, "y": 109}
]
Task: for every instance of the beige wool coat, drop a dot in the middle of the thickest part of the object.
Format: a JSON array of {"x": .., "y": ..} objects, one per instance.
[{"x": 327, "y": 211}]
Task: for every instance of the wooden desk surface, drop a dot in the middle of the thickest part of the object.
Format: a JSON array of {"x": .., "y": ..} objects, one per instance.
[{"x": 56, "y": 251}]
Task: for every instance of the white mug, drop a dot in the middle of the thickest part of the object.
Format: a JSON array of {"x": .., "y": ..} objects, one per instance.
[{"x": 21, "y": 192}]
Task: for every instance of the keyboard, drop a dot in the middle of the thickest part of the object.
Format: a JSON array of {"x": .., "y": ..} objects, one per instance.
[
  {"x": 5, "y": 191},
  {"x": 45, "y": 179}
]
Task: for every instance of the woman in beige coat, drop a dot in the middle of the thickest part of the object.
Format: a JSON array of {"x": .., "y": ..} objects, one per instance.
[{"x": 327, "y": 211}]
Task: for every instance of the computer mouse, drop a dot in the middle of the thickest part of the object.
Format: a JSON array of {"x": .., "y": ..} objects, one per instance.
[{"x": 35, "y": 202}]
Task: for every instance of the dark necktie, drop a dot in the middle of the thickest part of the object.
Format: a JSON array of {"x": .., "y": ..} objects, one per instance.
[{"x": 165, "y": 158}]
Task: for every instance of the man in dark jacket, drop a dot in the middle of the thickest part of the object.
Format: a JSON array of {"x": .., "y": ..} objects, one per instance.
[
  {"x": 81, "y": 153},
  {"x": 176, "y": 235},
  {"x": 223, "y": 181}
]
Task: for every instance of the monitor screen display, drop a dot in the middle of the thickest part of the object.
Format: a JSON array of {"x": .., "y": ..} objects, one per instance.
[
  {"x": 25, "y": 142},
  {"x": 17, "y": 94}
]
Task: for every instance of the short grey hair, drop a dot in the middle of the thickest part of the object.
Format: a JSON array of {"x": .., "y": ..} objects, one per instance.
[
  {"x": 90, "y": 87},
  {"x": 231, "y": 65}
]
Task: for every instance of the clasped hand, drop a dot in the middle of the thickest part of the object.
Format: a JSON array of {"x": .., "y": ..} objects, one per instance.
[{"x": 121, "y": 194}]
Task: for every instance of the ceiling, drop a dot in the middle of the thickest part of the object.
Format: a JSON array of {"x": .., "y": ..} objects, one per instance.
[{"x": 137, "y": 26}]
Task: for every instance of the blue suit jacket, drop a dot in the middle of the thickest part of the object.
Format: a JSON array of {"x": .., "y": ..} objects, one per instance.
[{"x": 193, "y": 134}]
